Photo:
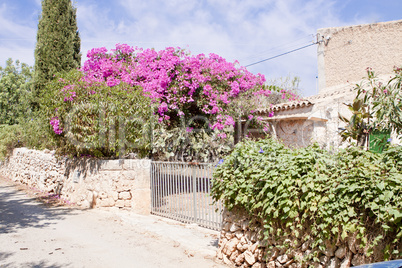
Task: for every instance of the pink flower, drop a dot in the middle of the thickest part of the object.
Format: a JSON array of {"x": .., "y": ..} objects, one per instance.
[
  {"x": 54, "y": 122},
  {"x": 229, "y": 121},
  {"x": 222, "y": 135}
]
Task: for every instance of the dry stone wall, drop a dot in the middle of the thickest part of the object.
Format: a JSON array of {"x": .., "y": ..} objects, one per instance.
[
  {"x": 89, "y": 183},
  {"x": 241, "y": 245}
]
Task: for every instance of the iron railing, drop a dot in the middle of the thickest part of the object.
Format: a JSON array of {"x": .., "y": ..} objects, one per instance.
[{"x": 181, "y": 191}]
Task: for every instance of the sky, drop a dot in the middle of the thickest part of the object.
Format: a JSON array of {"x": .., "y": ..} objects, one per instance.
[{"x": 245, "y": 30}]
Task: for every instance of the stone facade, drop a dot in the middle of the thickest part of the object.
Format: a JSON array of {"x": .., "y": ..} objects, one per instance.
[
  {"x": 346, "y": 52},
  {"x": 87, "y": 182},
  {"x": 241, "y": 245}
]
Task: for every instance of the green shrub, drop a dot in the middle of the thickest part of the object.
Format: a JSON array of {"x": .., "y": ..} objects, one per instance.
[
  {"x": 31, "y": 133},
  {"x": 101, "y": 121},
  {"x": 9, "y": 139},
  {"x": 310, "y": 192},
  {"x": 185, "y": 145}
]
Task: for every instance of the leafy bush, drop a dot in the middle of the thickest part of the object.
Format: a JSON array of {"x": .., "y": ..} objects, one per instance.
[
  {"x": 88, "y": 108},
  {"x": 189, "y": 145},
  {"x": 309, "y": 192},
  {"x": 9, "y": 139},
  {"x": 95, "y": 120},
  {"x": 31, "y": 133}
]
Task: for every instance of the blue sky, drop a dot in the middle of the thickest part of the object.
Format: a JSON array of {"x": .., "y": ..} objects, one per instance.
[{"x": 247, "y": 31}]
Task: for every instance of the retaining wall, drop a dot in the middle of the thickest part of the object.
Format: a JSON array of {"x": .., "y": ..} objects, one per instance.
[
  {"x": 87, "y": 182},
  {"x": 241, "y": 245}
]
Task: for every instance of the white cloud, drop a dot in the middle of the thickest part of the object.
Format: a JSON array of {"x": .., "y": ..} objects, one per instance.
[
  {"x": 235, "y": 29},
  {"x": 17, "y": 39},
  {"x": 245, "y": 30}
]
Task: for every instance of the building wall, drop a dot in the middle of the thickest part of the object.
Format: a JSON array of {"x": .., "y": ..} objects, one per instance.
[
  {"x": 346, "y": 52},
  {"x": 317, "y": 123}
]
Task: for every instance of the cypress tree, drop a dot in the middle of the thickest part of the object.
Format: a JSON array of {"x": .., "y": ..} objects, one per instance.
[{"x": 57, "y": 42}]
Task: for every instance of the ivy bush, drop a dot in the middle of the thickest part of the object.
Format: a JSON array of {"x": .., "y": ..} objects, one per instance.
[{"x": 309, "y": 193}]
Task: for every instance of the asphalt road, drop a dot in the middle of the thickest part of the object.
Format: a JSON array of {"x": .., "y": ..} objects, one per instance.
[{"x": 33, "y": 235}]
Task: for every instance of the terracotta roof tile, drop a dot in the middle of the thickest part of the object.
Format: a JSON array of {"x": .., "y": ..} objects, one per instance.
[{"x": 286, "y": 106}]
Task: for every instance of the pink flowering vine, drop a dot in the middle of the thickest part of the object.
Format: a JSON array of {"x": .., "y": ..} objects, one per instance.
[
  {"x": 177, "y": 83},
  {"x": 55, "y": 123}
]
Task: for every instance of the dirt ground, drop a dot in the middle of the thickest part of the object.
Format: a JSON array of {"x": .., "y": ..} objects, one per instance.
[{"x": 37, "y": 230}]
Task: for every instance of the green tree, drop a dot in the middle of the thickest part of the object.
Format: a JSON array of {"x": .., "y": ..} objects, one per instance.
[
  {"x": 15, "y": 91},
  {"x": 58, "y": 42}
]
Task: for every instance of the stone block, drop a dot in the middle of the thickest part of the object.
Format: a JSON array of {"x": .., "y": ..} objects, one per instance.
[
  {"x": 115, "y": 195},
  {"x": 108, "y": 202},
  {"x": 357, "y": 260},
  {"x": 334, "y": 263},
  {"x": 256, "y": 265},
  {"x": 271, "y": 264},
  {"x": 239, "y": 260},
  {"x": 231, "y": 246},
  {"x": 226, "y": 260},
  {"x": 345, "y": 263},
  {"x": 127, "y": 203},
  {"x": 126, "y": 195},
  {"x": 123, "y": 185},
  {"x": 119, "y": 204},
  {"x": 234, "y": 227},
  {"x": 234, "y": 255},
  {"x": 340, "y": 252},
  {"x": 253, "y": 247},
  {"x": 239, "y": 234},
  {"x": 283, "y": 258},
  {"x": 249, "y": 257}
]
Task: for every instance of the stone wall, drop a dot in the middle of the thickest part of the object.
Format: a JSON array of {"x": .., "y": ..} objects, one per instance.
[
  {"x": 346, "y": 52},
  {"x": 241, "y": 245},
  {"x": 87, "y": 182}
]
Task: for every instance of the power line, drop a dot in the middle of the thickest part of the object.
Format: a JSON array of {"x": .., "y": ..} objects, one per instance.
[
  {"x": 275, "y": 49},
  {"x": 312, "y": 44}
]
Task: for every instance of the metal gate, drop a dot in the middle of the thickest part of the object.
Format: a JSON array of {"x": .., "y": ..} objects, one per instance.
[{"x": 181, "y": 191}]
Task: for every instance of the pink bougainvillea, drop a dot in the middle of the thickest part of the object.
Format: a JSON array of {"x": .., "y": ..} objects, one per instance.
[
  {"x": 55, "y": 124},
  {"x": 177, "y": 83}
]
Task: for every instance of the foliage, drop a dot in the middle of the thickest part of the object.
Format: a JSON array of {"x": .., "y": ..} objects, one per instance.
[
  {"x": 356, "y": 128},
  {"x": 31, "y": 133},
  {"x": 58, "y": 42},
  {"x": 379, "y": 103},
  {"x": 95, "y": 120},
  {"x": 309, "y": 193},
  {"x": 15, "y": 91},
  {"x": 189, "y": 145},
  {"x": 8, "y": 139},
  {"x": 209, "y": 92}
]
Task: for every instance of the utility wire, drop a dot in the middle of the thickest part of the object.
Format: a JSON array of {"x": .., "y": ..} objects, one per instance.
[
  {"x": 312, "y": 44},
  {"x": 275, "y": 49}
]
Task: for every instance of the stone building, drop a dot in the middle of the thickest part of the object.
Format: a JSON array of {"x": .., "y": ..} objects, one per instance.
[{"x": 343, "y": 55}]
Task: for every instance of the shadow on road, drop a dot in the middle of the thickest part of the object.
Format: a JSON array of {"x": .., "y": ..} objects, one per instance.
[
  {"x": 38, "y": 264},
  {"x": 19, "y": 211}
]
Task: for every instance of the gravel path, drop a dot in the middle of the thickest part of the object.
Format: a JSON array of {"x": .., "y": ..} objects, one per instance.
[{"x": 34, "y": 235}]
